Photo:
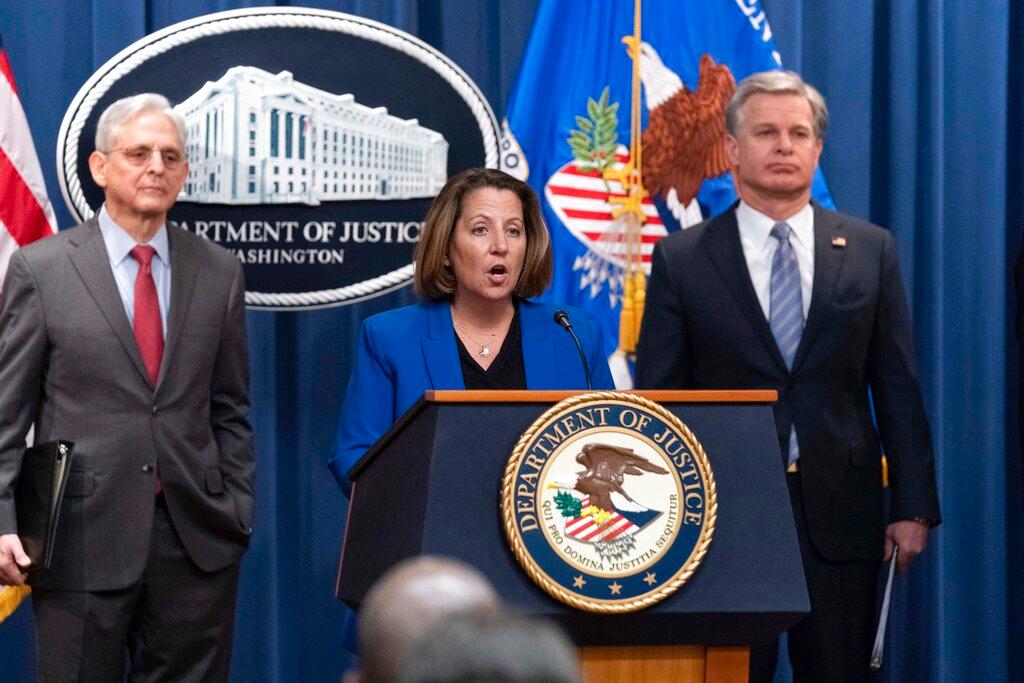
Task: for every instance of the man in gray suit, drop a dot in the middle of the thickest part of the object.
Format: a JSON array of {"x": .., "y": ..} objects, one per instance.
[{"x": 126, "y": 335}]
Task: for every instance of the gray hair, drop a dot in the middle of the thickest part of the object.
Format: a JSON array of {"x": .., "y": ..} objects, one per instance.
[
  {"x": 492, "y": 648},
  {"x": 408, "y": 600},
  {"x": 127, "y": 108},
  {"x": 775, "y": 83}
]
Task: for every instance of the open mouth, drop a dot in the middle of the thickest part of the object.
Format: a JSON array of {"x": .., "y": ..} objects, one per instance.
[{"x": 498, "y": 274}]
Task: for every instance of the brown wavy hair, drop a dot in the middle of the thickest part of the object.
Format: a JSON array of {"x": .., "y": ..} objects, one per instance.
[{"x": 434, "y": 280}]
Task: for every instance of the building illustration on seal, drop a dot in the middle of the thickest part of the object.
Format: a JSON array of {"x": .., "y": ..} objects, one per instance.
[{"x": 262, "y": 138}]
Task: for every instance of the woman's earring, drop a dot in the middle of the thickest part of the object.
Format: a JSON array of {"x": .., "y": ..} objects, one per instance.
[{"x": 447, "y": 263}]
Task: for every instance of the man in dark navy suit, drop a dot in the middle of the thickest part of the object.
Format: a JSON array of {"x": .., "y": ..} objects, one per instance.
[{"x": 780, "y": 293}]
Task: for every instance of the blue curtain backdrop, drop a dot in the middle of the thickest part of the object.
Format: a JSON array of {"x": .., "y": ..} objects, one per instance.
[{"x": 926, "y": 139}]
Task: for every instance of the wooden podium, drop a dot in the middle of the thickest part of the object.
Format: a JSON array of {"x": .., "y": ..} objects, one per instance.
[
  {"x": 441, "y": 466},
  {"x": 693, "y": 663}
]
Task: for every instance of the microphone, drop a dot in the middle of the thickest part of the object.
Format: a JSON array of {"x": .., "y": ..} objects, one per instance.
[{"x": 562, "y": 318}]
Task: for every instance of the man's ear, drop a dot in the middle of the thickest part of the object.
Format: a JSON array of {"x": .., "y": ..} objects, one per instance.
[
  {"x": 181, "y": 181},
  {"x": 732, "y": 150},
  {"x": 98, "y": 168}
]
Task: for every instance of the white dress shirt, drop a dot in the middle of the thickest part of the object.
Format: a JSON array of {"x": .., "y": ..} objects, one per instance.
[
  {"x": 119, "y": 245},
  {"x": 759, "y": 249}
]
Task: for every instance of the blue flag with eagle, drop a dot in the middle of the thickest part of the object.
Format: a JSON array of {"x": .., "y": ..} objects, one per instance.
[{"x": 621, "y": 156}]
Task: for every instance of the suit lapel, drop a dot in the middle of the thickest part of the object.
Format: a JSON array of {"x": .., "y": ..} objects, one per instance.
[
  {"x": 183, "y": 280},
  {"x": 828, "y": 263},
  {"x": 92, "y": 263},
  {"x": 539, "y": 360},
  {"x": 440, "y": 353},
  {"x": 722, "y": 242}
]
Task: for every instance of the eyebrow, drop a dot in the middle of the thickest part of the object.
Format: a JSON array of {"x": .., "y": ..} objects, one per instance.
[
  {"x": 488, "y": 216},
  {"x": 140, "y": 146},
  {"x": 771, "y": 124}
]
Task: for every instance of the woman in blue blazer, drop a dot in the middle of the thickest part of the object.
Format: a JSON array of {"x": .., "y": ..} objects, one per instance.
[{"x": 483, "y": 251}]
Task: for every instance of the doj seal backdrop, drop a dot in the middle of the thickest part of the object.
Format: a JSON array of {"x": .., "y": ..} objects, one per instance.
[{"x": 316, "y": 142}]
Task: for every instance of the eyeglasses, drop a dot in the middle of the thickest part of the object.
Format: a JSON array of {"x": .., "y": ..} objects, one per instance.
[{"x": 140, "y": 156}]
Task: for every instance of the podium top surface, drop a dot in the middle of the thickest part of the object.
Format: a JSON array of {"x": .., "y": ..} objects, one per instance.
[
  {"x": 660, "y": 396},
  {"x": 462, "y": 396}
]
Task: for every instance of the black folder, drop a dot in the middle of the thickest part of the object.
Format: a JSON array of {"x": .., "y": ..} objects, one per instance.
[{"x": 37, "y": 498}]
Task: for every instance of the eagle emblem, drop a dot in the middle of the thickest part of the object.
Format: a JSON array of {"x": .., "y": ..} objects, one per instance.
[
  {"x": 606, "y": 469},
  {"x": 596, "y": 518},
  {"x": 684, "y": 142},
  {"x": 683, "y": 145}
]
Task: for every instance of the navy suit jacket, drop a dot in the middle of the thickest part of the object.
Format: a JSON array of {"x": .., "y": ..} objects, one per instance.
[
  {"x": 409, "y": 350},
  {"x": 703, "y": 328}
]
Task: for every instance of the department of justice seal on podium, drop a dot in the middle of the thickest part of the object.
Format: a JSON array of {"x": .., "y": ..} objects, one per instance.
[{"x": 608, "y": 502}]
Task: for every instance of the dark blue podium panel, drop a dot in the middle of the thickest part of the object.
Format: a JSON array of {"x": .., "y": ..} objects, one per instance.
[{"x": 434, "y": 488}]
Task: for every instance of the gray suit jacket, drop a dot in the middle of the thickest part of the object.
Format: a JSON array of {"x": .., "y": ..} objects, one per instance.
[{"x": 70, "y": 365}]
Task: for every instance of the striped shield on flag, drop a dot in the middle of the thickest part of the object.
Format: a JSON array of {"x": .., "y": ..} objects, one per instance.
[{"x": 581, "y": 200}]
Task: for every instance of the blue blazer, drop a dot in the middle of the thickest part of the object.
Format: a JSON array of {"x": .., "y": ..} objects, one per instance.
[{"x": 406, "y": 351}]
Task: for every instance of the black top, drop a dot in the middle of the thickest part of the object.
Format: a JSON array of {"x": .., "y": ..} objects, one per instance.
[{"x": 506, "y": 370}]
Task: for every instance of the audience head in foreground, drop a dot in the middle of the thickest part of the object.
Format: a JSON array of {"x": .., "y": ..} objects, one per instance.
[
  {"x": 408, "y": 601},
  {"x": 492, "y": 648}
]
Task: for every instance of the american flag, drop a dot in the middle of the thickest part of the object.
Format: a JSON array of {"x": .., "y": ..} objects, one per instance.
[
  {"x": 25, "y": 213},
  {"x": 587, "y": 530}
]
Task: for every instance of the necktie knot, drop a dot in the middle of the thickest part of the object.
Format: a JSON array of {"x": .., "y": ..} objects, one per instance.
[
  {"x": 143, "y": 253},
  {"x": 780, "y": 231}
]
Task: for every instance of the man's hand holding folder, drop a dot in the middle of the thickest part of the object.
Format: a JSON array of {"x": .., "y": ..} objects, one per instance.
[
  {"x": 904, "y": 540},
  {"x": 13, "y": 561},
  {"x": 37, "y": 502},
  {"x": 911, "y": 536}
]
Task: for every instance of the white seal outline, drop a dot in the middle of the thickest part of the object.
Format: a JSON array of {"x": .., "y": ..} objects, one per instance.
[{"x": 230, "y": 21}]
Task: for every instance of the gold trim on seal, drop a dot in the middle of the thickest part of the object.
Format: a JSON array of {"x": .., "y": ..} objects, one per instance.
[{"x": 534, "y": 571}]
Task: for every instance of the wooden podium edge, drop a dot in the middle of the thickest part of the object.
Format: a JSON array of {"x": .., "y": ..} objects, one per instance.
[
  {"x": 693, "y": 663},
  {"x": 660, "y": 396}
]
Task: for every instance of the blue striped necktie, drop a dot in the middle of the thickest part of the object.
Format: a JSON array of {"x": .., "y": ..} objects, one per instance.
[{"x": 787, "y": 309}]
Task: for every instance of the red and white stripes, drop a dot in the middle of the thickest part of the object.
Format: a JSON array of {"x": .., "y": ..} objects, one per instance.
[
  {"x": 580, "y": 199},
  {"x": 25, "y": 212},
  {"x": 586, "y": 529}
]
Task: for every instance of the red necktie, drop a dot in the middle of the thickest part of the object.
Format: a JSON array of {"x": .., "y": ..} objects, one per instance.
[{"x": 149, "y": 330}]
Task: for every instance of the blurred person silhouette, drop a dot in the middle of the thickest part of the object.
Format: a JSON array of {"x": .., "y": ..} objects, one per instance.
[
  {"x": 492, "y": 648},
  {"x": 407, "y": 602}
]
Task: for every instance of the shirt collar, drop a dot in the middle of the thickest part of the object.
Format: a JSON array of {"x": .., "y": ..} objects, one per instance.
[
  {"x": 760, "y": 226},
  {"x": 119, "y": 243}
]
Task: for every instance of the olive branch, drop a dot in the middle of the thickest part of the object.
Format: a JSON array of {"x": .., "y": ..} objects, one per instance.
[
  {"x": 568, "y": 504},
  {"x": 595, "y": 138}
]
